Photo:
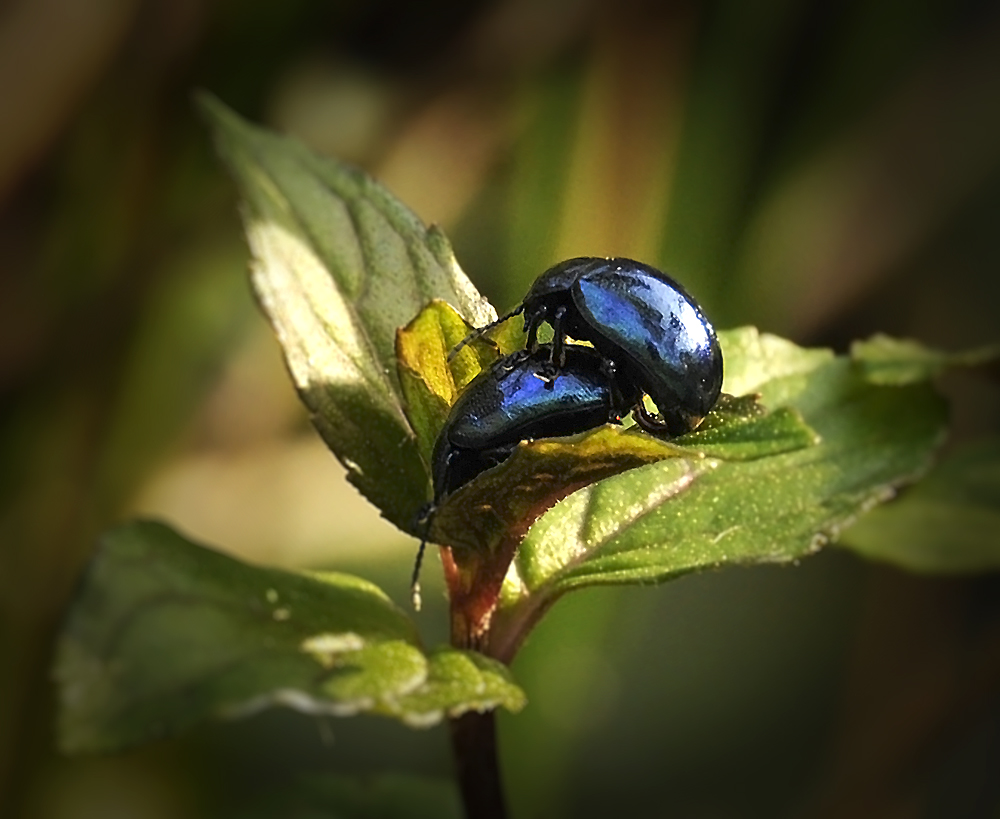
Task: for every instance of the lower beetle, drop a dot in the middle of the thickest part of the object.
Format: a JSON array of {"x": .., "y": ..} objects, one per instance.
[
  {"x": 640, "y": 319},
  {"x": 521, "y": 397}
]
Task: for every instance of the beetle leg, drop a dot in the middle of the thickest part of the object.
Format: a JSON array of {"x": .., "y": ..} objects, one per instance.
[
  {"x": 532, "y": 321},
  {"x": 558, "y": 356},
  {"x": 618, "y": 406},
  {"x": 609, "y": 370},
  {"x": 648, "y": 423},
  {"x": 513, "y": 361},
  {"x": 548, "y": 373}
]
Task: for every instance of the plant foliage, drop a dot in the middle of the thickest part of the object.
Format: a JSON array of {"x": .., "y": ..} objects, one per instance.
[{"x": 367, "y": 303}]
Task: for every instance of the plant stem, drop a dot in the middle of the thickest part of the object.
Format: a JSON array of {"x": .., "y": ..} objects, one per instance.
[{"x": 474, "y": 745}]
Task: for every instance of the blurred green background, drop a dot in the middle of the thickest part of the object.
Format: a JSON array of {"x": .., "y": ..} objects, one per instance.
[{"x": 823, "y": 170}]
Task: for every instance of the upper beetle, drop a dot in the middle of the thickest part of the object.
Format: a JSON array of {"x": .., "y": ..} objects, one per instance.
[{"x": 642, "y": 320}]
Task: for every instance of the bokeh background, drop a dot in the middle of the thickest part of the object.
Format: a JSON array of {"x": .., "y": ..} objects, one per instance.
[{"x": 823, "y": 170}]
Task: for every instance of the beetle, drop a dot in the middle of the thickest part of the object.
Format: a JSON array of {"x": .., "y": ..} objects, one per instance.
[
  {"x": 519, "y": 398},
  {"x": 642, "y": 321}
]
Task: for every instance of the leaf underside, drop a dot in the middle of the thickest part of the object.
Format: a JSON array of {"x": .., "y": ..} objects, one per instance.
[{"x": 949, "y": 523}]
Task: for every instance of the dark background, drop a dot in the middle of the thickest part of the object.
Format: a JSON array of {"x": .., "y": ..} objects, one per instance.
[{"x": 823, "y": 170}]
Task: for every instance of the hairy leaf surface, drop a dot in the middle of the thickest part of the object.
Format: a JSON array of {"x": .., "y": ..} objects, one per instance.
[{"x": 708, "y": 506}]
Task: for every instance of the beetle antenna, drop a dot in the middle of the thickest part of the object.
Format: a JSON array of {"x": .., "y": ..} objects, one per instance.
[
  {"x": 415, "y": 598},
  {"x": 423, "y": 516},
  {"x": 477, "y": 333}
]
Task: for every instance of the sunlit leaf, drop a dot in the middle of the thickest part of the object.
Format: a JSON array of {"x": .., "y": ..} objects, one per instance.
[
  {"x": 746, "y": 438},
  {"x": 338, "y": 266},
  {"x": 164, "y": 633},
  {"x": 948, "y": 523},
  {"x": 431, "y": 382}
]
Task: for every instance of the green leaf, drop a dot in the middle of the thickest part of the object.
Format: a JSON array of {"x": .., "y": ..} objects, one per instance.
[
  {"x": 703, "y": 509},
  {"x": 741, "y": 429},
  {"x": 431, "y": 382},
  {"x": 338, "y": 266},
  {"x": 896, "y": 361},
  {"x": 164, "y": 633},
  {"x": 541, "y": 472},
  {"x": 948, "y": 523}
]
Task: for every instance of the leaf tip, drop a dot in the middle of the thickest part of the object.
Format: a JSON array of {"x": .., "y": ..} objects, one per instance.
[{"x": 215, "y": 113}]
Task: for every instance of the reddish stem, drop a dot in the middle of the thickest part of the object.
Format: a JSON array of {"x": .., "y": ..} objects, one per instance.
[{"x": 474, "y": 581}]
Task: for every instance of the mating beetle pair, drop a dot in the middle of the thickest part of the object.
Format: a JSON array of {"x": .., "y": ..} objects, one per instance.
[
  {"x": 648, "y": 336},
  {"x": 641, "y": 320}
]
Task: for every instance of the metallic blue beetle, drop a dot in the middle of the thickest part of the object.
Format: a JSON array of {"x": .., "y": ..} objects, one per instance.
[
  {"x": 641, "y": 320},
  {"x": 519, "y": 398}
]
